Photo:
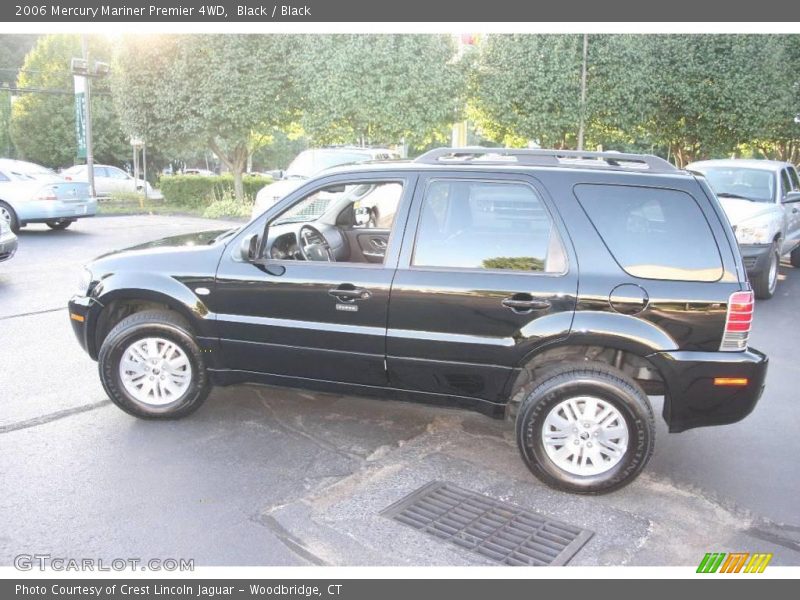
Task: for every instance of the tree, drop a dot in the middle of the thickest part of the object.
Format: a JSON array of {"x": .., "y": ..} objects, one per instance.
[
  {"x": 224, "y": 92},
  {"x": 43, "y": 117},
  {"x": 527, "y": 87},
  {"x": 381, "y": 89},
  {"x": 13, "y": 48}
]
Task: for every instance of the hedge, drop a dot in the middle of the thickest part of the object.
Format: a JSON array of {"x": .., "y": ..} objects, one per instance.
[{"x": 197, "y": 191}]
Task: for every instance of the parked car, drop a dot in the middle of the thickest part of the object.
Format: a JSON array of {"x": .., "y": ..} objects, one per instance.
[
  {"x": 762, "y": 201},
  {"x": 600, "y": 278},
  {"x": 201, "y": 172},
  {"x": 31, "y": 193},
  {"x": 311, "y": 162},
  {"x": 108, "y": 179},
  {"x": 8, "y": 241}
]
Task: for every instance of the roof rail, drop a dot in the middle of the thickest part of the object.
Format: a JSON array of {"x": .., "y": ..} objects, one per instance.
[{"x": 531, "y": 156}]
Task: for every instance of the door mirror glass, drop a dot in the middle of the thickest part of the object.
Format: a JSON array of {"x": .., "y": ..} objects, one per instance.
[{"x": 248, "y": 251}]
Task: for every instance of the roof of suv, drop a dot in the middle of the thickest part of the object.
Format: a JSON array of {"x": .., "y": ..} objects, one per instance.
[
  {"x": 478, "y": 158},
  {"x": 748, "y": 163}
]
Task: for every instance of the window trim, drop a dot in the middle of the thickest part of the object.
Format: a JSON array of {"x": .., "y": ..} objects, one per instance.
[
  {"x": 408, "y": 181},
  {"x": 508, "y": 272},
  {"x": 651, "y": 187}
]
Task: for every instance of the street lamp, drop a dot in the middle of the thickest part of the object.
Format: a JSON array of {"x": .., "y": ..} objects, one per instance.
[{"x": 84, "y": 71}]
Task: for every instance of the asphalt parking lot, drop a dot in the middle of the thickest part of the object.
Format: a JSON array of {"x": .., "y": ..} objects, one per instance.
[{"x": 264, "y": 476}]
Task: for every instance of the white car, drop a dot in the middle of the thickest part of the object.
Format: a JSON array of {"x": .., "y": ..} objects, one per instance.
[
  {"x": 108, "y": 179},
  {"x": 310, "y": 162},
  {"x": 762, "y": 201}
]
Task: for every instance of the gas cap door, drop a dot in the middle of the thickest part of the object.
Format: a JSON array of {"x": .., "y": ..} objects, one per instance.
[{"x": 628, "y": 299}]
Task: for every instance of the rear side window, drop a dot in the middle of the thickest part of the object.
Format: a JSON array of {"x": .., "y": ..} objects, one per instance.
[
  {"x": 653, "y": 233},
  {"x": 470, "y": 224}
]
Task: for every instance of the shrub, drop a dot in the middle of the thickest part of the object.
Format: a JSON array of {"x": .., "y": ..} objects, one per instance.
[
  {"x": 197, "y": 191},
  {"x": 227, "y": 206}
]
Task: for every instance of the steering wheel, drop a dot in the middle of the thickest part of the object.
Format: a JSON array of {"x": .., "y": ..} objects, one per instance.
[{"x": 313, "y": 245}]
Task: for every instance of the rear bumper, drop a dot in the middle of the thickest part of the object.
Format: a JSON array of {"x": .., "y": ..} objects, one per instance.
[
  {"x": 692, "y": 400},
  {"x": 39, "y": 211},
  {"x": 755, "y": 257}
]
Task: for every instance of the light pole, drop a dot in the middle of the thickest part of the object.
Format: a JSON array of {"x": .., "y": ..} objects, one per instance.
[{"x": 86, "y": 70}]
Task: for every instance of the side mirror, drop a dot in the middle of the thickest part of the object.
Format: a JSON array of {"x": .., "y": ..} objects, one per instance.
[
  {"x": 248, "y": 251},
  {"x": 791, "y": 197}
]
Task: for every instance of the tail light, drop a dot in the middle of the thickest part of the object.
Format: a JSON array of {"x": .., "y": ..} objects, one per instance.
[
  {"x": 738, "y": 322},
  {"x": 68, "y": 177},
  {"x": 46, "y": 193}
]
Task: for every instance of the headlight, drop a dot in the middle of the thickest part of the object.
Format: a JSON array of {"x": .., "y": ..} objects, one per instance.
[
  {"x": 753, "y": 233},
  {"x": 84, "y": 282}
]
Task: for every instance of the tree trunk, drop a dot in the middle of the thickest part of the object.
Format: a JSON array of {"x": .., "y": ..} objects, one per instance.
[
  {"x": 236, "y": 161},
  {"x": 238, "y": 184}
]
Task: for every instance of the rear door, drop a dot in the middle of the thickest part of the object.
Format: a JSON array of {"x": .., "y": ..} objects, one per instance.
[{"x": 484, "y": 274}]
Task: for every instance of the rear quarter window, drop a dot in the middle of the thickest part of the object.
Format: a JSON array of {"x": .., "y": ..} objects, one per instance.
[{"x": 653, "y": 233}]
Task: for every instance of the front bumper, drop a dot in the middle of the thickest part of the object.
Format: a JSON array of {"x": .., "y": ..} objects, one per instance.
[
  {"x": 692, "y": 400},
  {"x": 755, "y": 257},
  {"x": 80, "y": 317},
  {"x": 8, "y": 246},
  {"x": 40, "y": 211}
]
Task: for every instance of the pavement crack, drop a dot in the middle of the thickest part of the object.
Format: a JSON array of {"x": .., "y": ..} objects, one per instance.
[
  {"x": 32, "y": 313},
  {"x": 61, "y": 414},
  {"x": 287, "y": 539},
  {"x": 289, "y": 428}
]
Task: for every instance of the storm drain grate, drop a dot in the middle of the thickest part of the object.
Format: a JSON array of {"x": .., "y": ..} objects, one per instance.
[{"x": 502, "y": 532}]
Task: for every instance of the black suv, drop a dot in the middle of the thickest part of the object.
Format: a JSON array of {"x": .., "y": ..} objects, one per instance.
[{"x": 556, "y": 288}]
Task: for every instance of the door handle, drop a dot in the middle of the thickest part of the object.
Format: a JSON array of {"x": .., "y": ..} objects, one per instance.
[
  {"x": 349, "y": 293},
  {"x": 524, "y": 303}
]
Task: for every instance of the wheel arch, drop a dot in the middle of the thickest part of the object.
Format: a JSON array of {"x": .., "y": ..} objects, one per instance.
[{"x": 117, "y": 300}]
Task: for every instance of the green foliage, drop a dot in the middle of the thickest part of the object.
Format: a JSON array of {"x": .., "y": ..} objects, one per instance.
[
  {"x": 43, "y": 124},
  {"x": 527, "y": 87},
  {"x": 13, "y": 48},
  {"x": 514, "y": 263},
  {"x": 197, "y": 191},
  {"x": 682, "y": 96},
  {"x": 225, "y": 92},
  {"x": 227, "y": 206},
  {"x": 379, "y": 89}
]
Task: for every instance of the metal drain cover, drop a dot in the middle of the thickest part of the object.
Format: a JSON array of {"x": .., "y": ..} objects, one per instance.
[{"x": 502, "y": 532}]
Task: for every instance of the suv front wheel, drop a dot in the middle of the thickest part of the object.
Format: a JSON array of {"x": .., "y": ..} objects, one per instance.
[
  {"x": 586, "y": 428},
  {"x": 152, "y": 367}
]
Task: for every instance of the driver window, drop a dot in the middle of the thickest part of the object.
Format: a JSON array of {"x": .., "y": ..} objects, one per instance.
[{"x": 345, "y": 222}]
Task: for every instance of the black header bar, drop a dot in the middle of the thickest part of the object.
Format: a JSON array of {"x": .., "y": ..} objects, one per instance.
[{"x": 321, "y": 11}]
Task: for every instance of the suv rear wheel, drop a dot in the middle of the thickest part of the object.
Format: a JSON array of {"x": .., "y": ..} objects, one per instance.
[
  {"x": 152, "y": 367},
  {"x": 586, "y": 428}
]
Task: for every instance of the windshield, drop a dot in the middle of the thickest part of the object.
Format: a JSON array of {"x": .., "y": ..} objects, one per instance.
[
  {"x": 311, "y": 162},
  {"x": 740, "y": 182}
]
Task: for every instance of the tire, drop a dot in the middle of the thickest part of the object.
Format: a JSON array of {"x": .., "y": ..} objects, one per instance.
[
  {"x": 766, "y": 282},
  {"x": 794, "y": 257},
  {"x": 582, "y": 383},
  {"x": 58, "y": 224},
  {"x": 7, "y": 213},
  {"x": 154, "y": 330}
]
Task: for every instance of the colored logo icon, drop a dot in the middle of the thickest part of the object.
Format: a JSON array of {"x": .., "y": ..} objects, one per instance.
[{"x": 735, "y": 562}]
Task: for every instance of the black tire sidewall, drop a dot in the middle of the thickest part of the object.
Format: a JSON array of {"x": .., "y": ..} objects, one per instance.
[
  {"x": 111, "y": 354},
  {"x": 637, "y": 415}
]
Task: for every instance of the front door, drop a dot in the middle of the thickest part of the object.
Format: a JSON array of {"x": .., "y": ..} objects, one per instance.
[
  {"x": 484, "y": 274},
  {"x": 314, "y": 305}
]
